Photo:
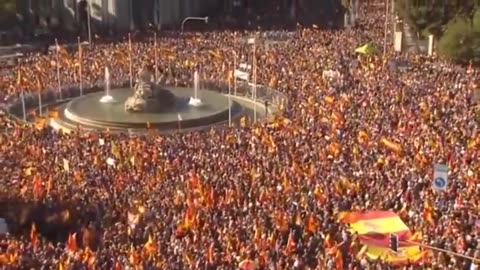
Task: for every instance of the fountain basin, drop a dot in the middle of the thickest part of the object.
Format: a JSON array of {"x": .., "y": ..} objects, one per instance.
[{"x": 83, "y": 112}]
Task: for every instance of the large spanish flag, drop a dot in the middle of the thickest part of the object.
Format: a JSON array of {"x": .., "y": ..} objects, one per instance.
[
  {"x": 374, "y": 229},
  {"x": 376, "y": 222}
]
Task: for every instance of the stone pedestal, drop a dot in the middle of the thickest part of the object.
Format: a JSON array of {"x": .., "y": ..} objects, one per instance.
[{"x": 148, "y": 97}]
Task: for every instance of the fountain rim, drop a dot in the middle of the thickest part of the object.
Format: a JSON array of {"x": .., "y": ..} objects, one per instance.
[
  {"x": 49, "y": 98},
  {"x": 172, "y": 116}
]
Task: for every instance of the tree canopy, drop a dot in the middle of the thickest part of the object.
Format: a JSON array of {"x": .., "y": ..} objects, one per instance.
[
  {"x": 7, "y": 10},
  {"x": 456, "y": 23}
]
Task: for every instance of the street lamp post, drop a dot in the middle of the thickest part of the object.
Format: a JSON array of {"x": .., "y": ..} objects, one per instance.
[
  {"x": 89, "y": 24},
  {"x": 386, "y": 29},
  {"x": 156, "y": 55},
  {"x": 253, "y": 42},
  {"x": 205, "y": 19},
  {"x": 230, "y": 87}
]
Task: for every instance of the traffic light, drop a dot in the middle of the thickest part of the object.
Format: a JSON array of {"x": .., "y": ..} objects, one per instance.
[{"x": 394, "y": 242}]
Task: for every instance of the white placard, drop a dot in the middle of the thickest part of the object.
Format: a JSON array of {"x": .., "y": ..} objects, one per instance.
[
  {"x": 440, "y": 177},
  {"x": 397, "y": 45},
  {"x": 430, "y": 44}
]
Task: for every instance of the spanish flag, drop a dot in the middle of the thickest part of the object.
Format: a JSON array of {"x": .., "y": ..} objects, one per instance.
[
  {"x": 134, "y": 257},
  {"x": 244, "y": 121},
  {"x": 428, "y": 215},
  {"x": 338, "y": 118},
  {"x": 290, "y": 244},
  {"x": 311, "y": 224},
  {"x": 150, "y": 246},
  {"x": 40, "y": 122},
  {"x": 376, "y": 226},
  {"x": 296, "y": 168},
  {"x": 72, "y": 242},
  {"x": 115, "y": 151},
  {"x": 329, "y": 99},
  {"x": 363, "y": 137},
  {"x": 215, "y": 54},
  {"x": 34, "y": 235},
  {"x": 19, "y": 77},
  {"x": 53, "y": 113},
  {"x": 409, "y": 254},
  {"x": 37, "y": 186},
  {"x": 395, "y": 147},
  {"x": 211, "y": 254},
  {"x": 374, "y": 229},
  {"x": 281, "y": 222}
]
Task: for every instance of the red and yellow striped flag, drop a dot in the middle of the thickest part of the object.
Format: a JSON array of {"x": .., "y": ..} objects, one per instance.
[{"x": 374, "y": 229}]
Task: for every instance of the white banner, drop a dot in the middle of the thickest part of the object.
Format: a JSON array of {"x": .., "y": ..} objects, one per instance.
[{"x": 241, "y": 75}]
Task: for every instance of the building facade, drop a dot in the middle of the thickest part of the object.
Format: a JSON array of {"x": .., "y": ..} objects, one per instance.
[{"x": 110, "y": 15}]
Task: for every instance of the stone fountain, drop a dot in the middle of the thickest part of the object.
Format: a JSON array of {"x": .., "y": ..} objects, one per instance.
[{"x": 147, "y": 96}]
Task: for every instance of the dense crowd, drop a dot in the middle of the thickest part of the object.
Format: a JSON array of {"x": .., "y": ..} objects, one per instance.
[{"x": 268, "y": 195}]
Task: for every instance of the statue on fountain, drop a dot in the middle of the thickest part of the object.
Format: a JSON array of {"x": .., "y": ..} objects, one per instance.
[{"x": 147, "y": 95}]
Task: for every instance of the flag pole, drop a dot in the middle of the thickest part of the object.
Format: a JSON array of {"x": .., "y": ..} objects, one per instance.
[
  {"x": 89, "y": 24},
  {"x": 386, "y": 30},
  {"x": 40, "y": 103},
  {"x": 39, "y": 85},
  {"x": 22, "y": 95},
  {"x": 255, "y": 81},
  {"x": 234, "y": 78},
  {"x": 156, "y": 54},
  {"x": 229, "y": 101},
  {"x": 130, "y": 59},
  {"x": 80, "y": 79},
  {"x": 24, "y": 111},
  {"x": 57, "y": 57}
]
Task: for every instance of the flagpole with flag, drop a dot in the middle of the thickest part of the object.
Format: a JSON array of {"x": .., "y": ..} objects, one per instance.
[
  {"x": 156, "y": 55},
  {"x": 80, "y": 79},
  {"x": 57, "y": 57},
  {"x": 130, "y": 59},
  {"x": 22, "y": 94}
]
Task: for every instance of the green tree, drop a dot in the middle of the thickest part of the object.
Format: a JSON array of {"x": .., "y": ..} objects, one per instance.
[
  {"x": 455, "y": 22},
  {"x": 461, "y": 40},
  {"x": 476, "y": 20},
  {"x": 431, "y": 16},
  {"x": 7, "y": 11},
  {"x": 422, "y": 16},
  {"x": 8, "y": 6}
]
